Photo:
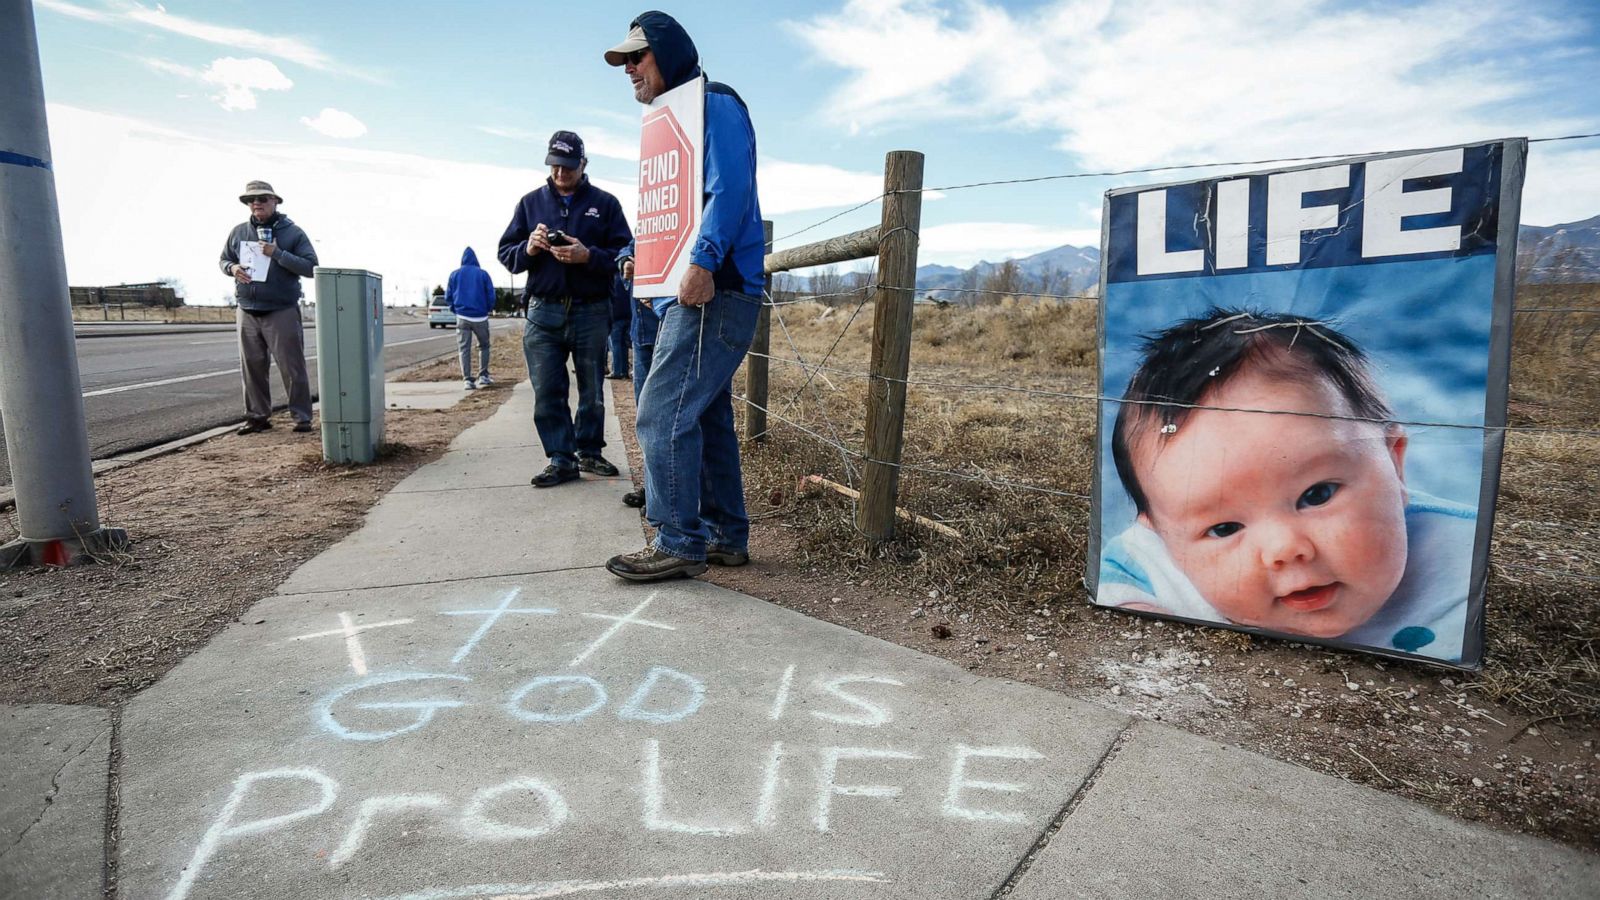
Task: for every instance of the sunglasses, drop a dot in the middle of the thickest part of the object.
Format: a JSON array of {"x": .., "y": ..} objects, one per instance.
[
  {"x": 636, "y": 57},
  {"x": 262, "y": 199}
]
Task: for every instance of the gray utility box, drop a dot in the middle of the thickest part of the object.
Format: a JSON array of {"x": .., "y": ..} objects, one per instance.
[{"x": 350, "y": 363}]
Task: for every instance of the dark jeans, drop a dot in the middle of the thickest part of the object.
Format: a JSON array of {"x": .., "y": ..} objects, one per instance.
[
  {"x": 641, "y": 371},
  {"x": 691, "y": 451},
  {"x": 619, "y": 347},
  {"x": 551, "y": 336}
]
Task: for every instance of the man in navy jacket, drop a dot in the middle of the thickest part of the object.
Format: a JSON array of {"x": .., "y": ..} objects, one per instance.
[
  {"x": 694, "y": 488},
  {"x": 567, "y": 235}
]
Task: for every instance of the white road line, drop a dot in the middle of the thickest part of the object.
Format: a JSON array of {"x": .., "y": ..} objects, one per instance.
[
  {"x": 150, "y": 384},
  {"x": 233, "y": 371}
]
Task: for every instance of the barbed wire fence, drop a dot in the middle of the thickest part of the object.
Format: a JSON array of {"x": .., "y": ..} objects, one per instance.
[{"x": 890, "y": 290}]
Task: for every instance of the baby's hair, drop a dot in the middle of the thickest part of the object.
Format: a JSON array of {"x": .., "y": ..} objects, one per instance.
[{"x": 1183, "y": 362}]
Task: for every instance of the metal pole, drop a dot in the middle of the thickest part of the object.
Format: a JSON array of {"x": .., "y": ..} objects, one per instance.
[
  {"x": 891, "y": 343},
  {"x": 45, "y": 434},
  {"x": 756, "y": 364}
]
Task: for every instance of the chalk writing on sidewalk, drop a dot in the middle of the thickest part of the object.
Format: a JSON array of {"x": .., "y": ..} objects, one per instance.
[
  {"x": 485, "y": 756},
  {"x": 351, "y": 632}
]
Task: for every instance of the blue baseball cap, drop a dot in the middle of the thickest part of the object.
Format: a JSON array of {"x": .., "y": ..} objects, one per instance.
[{"x": 566, "y": 149}]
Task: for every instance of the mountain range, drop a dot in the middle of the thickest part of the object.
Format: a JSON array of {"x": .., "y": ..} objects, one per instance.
[
  {"x": 1545, "y": 253},
  {"x": 1559, "y": 253}
]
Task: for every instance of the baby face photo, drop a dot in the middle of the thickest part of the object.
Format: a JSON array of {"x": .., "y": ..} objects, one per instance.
[{"x": 1301, "y": 451}]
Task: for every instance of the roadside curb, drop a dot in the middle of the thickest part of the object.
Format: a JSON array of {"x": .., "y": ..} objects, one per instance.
[{"x": 8, "y": 495}]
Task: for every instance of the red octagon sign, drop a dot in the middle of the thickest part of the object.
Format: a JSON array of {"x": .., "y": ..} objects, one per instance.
[{"x": 668, "y": 207}]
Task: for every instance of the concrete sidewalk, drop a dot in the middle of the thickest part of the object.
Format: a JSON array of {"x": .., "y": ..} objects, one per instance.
[{"x": 457, "y": 701}]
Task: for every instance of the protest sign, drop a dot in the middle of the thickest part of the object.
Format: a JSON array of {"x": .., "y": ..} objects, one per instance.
[
  {"x": 1303, "y": 381},
  {"x": 671, "y": 179}
]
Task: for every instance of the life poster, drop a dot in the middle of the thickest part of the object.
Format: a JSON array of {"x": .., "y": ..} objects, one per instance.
[{"x": 1303, "y": 379}]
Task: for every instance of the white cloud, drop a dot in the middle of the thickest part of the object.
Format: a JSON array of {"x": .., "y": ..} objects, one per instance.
[
  {"x": 788, "y": 187},
  {"x": 248, "y": 40},
  {"x": 405, "y": 216},
  {"x": 1561, "y": 185},
  {"x": 597, "y": 141},
  {"x": 72, "y": 10},
  {"x": 171, "y": 68},
  {"x": 239, "y": 79},
  {"x": 510, "y": 134},
  {"x": 966, "y": 243},
  {"x": 335, "y": 123},
  {"x": 1147, "y": 82},
  {"x": 785, "y": 186}
]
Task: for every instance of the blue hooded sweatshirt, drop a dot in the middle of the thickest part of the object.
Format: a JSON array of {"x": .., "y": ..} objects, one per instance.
[
  {"x": 470, "y": 291},
  {"x": 730, "y": 245}
]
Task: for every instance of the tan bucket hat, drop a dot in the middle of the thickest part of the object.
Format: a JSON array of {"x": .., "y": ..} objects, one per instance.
[{"x": 257, "y": 189}]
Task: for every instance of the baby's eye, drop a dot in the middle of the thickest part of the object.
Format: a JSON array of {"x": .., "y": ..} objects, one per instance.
[
  {"x": 1317, "y": 494},
  {"x": 1223, "y": 529}
]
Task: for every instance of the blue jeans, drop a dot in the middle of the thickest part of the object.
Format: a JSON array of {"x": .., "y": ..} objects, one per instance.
[
  {"x": 641, "y": 371},
  {"x": 643, "y": 337},
  {"x": 691, "y": 451},
  {"x": 552, "y": 334},
  {"x": 619, "y": 347}
]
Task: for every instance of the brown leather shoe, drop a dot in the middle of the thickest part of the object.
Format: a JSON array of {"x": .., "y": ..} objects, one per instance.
[{"x": 651, "y": 564}]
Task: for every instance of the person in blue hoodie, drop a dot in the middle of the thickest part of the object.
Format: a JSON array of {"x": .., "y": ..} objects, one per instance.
[
  {"x": 693, "y": 482},
  {"x": 642, "y": 335},
  {"x": 567, "y": 236},
  {"x": 470, "y": 294},
  {"x": 621, "y": 325}
]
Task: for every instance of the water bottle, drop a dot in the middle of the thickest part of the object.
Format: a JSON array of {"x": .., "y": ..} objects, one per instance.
[{"x": 264, "y": 234}]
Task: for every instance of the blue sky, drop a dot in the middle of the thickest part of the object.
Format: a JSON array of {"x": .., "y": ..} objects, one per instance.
[{"x": 400, "y": 132}]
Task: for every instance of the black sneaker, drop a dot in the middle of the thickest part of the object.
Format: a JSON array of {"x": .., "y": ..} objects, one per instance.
[
  {"x": 651, "y": 564},
  {"x": 596, "y": 465},
  {"x": 634, "y": 499},
  {"x": 302, "y": 427},
  {"x": 254, "y": 426},
  {"x": 554, "y": 475},
  {"x": 722, "y": 556}
]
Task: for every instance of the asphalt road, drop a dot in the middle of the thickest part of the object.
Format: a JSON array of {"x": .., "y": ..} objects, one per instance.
[{"x": 147, "y": 389}]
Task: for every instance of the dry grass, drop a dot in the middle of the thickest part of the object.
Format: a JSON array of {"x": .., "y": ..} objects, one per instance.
[{"x": 1022, "y": 548}]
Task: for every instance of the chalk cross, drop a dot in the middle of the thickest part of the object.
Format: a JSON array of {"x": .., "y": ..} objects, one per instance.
[
  {"x": 618, "y": 623},
  {"x": 492, "y": 616},
  {"x": 352, "y": 643}
]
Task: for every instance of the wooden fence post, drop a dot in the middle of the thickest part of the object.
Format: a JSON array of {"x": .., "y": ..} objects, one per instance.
[
  {"x": 891, "y": 342},
  {"x": 756, "y": 365}
]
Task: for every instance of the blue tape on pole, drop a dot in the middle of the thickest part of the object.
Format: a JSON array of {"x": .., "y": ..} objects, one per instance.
[{"x": 17, "y": 159}]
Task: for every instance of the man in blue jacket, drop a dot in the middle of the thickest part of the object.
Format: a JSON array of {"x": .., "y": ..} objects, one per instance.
[
  {"x": 470, "y": 294},
  {"x": 642, "y": 334},
  {"x": 567, "y": 236},
  {"x": 621, "y": 325},
  {"x": 693, "y": 483}
]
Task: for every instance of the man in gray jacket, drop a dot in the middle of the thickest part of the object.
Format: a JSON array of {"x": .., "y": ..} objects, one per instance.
[{"x": 266, "y": 256}]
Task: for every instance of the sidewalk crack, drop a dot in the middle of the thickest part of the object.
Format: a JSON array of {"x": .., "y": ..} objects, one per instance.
[
  {"x": 1067, "y": 809},
  {"x": 50, "y": 797}
]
